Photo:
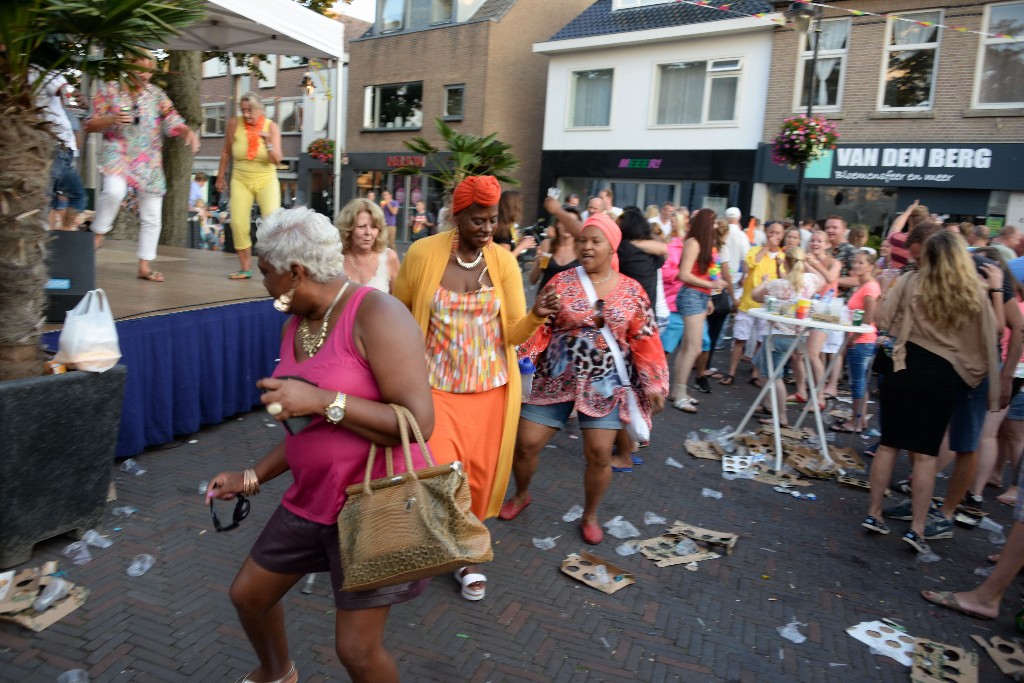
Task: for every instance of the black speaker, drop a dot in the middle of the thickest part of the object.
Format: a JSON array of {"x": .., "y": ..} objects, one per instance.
[{"x": 71, "y": 264}]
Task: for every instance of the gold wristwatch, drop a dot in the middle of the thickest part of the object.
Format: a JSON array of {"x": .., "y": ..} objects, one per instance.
[{"x": 335, "y": 412}]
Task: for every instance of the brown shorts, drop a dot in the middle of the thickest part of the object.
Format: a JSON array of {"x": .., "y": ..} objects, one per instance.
[{"x": 290, "y": 544}]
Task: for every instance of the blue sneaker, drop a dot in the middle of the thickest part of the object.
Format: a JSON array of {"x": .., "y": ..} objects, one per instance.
[
  {"x": 937, "y": 526},
  {"x": 916, "y": 542},
  {"x": 903, "y": 511}
]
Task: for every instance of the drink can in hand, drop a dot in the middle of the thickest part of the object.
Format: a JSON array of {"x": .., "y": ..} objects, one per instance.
[{"x": 858, "y": 317}]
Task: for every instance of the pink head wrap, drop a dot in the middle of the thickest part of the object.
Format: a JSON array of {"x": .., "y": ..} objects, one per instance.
[{"x": 611, "y": 232}]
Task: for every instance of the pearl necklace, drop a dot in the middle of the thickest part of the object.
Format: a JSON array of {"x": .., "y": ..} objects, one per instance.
[{"x": 311, "y": 343}]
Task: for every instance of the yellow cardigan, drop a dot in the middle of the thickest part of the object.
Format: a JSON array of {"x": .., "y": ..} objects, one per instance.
[{"x": 415, "y": 285}]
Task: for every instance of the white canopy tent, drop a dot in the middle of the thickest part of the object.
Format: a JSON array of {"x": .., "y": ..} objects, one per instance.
[{"x": 279, "y": 27}]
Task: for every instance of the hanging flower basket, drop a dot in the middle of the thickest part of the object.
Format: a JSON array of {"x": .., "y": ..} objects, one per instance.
[
  {"x": 802, "y": 140},
  {"x": 322, "y": 150}
]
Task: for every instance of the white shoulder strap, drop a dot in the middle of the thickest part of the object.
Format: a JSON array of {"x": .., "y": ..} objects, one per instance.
[{"x": 609, "y": 338}]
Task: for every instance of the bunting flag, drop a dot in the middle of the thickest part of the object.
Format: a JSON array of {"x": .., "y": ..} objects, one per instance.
[{"x": 774, "y": 19}]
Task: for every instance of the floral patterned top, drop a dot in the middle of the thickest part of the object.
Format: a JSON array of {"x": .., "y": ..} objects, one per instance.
[
  {"x": 135, "y": 151},
  {"x": 572, "y": 359},
  {"x": 465, "y": 354}
]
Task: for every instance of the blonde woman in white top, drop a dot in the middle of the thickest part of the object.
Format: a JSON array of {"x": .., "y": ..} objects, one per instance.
[{"x": 364, "y": 242}]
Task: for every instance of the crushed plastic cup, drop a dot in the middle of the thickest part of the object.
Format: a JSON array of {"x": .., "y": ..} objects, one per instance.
[
  {"x": 544, "y": 543},
  {"x": 574, "y": 513},
  {"x": 93, "y": 538},
  {"x": 601, "y": 573},
  {"x": 626, "y": 549},
  {"x": 620, "y": 528},
  {"x": 995, "y": 529},
  {"x": 202, "y": 487},
  {"x": 711, "y": 493},
  {"x": 672, "y": 462},
  {"x": 686, "y": 546},
  {"x": 791, "y": 632},
  {"x": 132, "y": 467},
  {"x": 140, "y": 565},
  {"x": 651, "y": 518},
  {"x": 54, "y": 591},
  {"x": 78, "y": 552},
  {"x": 74, "y": 676},
  {"x": 693, "y": 436},
  {"x": 124, "y": 511}
]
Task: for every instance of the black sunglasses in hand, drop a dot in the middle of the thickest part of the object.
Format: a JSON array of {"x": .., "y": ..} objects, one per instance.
[{"x": 240, "y": 513}]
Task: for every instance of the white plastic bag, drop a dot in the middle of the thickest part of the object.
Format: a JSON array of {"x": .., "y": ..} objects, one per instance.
[{"x": 89, "y": 338}]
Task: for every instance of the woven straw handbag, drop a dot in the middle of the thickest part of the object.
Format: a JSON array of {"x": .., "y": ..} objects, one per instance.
[{"x": 410, "y": 526}]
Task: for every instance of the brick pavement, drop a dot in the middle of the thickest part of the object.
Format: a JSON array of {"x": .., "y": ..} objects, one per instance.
[{"x": 795, "y": 559}]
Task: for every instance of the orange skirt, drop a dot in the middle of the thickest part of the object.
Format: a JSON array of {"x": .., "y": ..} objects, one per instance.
[{"x": 468, "y": 428}]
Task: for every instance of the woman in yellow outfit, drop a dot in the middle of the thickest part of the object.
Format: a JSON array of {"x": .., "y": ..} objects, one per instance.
[{"x": 253, "y": 147}]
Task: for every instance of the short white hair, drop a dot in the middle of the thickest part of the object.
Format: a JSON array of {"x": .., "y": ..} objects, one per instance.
[{"x": 303, "y": 237}]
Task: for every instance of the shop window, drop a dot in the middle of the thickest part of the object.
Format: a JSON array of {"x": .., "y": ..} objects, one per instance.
[
  {"x": 830, "y": 69},
  {"x": 212, "y": 68},
  {"x": 392, "y": 15},
  {"x": 694, "y": 93},
  {"x": 591, "y": 98},
  {"x": 453, "y": 102},
  {"x": 440, "y": 11},
  {"x": 213, "y": 120},
  {"x": 1000, "y": 79},
  {"x": 289, "y": 116},
  {"x": 911, "y": 54},
  {"x": 393, "y": 106}
]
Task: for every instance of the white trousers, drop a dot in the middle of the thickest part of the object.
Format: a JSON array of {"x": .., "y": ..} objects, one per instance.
[{"x": 108, "y": 203}]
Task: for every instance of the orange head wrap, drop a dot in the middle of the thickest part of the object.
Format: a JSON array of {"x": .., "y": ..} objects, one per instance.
[
  {"x": 611, "y": 232},
  {"x": 483, "y": 190}
]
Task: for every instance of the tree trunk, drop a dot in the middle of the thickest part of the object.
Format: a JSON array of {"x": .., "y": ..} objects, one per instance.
[
  {"x": 183, "y": 89},
  {"x": 26, "y": 147}
]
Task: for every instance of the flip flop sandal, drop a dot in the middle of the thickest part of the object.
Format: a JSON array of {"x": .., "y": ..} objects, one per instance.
[
  {"x": 240, "y": 275},
  {"x": 1006, "y": 500},
  {"x": 637, "y": 460},
  {"x": 753, "y": 381},
  {"x": 467, "y": 580},
  {"x": 152, "y": 276},
  {"x": 795, "y": 398},
  {"x": 687, "y": 405},
  {"x": 726, "y": 380},
  {"x": 622, "y": 469},
  {"x": 948, "y": 600},
  {"x": 291, "y": 677}
]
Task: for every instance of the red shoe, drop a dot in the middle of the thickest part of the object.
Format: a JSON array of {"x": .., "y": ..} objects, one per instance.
[
  {"x": 511, "y": 510},
  {"x": 592, "y": 533}
]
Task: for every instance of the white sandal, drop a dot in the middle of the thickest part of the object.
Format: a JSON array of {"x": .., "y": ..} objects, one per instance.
[
  {"x": 291, "y": 677},
  {"x": 467, "y": 580}
]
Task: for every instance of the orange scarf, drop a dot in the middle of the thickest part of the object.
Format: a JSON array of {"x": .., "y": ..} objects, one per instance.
[{"x": 252, "y": 136}]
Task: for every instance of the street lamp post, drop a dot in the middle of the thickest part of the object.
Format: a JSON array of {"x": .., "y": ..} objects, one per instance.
[{"x": 803, "y": 16}]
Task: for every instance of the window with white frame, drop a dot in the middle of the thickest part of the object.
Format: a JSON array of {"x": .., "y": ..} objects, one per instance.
[
  {"x": 214, "y": 116},
  {"x": 321, "y": 113},
  {"x": 591, "y": 98},
  {"x": 830, "y": 69},
  {"x": 392, "y": 15},
  {"x": 270, "y": 109},
  {"x": 393, "y": 106},
  {"x": 212, "y": 68},
  {"x": 999, "y": 83},
  {"x": 911, "y": 55},
  {"x": 440, "y": 11},
  {"x": 293, "y": 62},
  {"x": 268, "y": 73},
  {"x": 289, "y": 116},
  {"x": 695, "y": 93},
  {"x": 453, "y": 101}
]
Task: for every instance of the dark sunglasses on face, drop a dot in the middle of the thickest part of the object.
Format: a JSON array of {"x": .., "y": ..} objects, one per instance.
[{"x": 240, "y": 513}]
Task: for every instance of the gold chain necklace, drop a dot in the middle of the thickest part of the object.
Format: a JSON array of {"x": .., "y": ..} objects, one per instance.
[
  {"x": 470, "y": 265},
  {"x": 359, "y": 271},
  {"x": 601, "y": 282},
  {"x": 311, "y": 343}
]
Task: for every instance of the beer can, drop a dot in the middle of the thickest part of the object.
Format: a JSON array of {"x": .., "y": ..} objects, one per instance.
[{"x": 858, "y": 317}]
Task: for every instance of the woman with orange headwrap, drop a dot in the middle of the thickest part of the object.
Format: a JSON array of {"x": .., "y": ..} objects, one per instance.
[{"x": 467, "y": 295}]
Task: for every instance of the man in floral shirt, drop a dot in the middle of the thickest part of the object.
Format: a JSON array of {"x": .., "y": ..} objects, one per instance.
[{"x": 133, "y": 119}]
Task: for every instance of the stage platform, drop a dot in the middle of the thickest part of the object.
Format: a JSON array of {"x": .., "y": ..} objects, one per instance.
[{"x": 194, "y": 345}]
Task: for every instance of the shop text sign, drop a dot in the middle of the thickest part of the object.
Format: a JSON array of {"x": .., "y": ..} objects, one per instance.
[
  {"x": 993, "y": 166},
  {"x": 639, "y": 163},
  {"x": 399, "y": 160}
]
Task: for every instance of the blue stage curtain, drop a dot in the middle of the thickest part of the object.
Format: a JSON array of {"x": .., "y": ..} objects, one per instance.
[{"x": 193, "y": 368}]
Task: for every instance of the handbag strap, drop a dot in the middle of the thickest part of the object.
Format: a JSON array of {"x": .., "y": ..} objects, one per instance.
[
  {"x": 406, "y": 422},
  {"x": 609, "y": 338}
]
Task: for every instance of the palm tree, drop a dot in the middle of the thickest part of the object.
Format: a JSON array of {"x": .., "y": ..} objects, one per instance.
[
  {"x": 464, "y": 154},
  {"x": 53, "y": 35}
]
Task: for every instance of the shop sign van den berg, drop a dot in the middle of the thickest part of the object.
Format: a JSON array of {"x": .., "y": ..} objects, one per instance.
[{"x": 930, "y": 162}]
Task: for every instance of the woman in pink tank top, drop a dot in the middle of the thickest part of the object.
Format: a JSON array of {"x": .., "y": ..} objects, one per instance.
[{"x": 346, "y": 353}]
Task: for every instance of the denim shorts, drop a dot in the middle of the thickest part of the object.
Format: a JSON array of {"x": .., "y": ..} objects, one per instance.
[
  {"x": 691, "y": 302},
  {"x": 1016, "y": 411},
  {"x": 780, "y": 345},
  {"x": 673, "y": 333},
  {"x": 969, "y": 409},
  {"x": 858, "y": 360},
  {"x": 556, "y": 415}
]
